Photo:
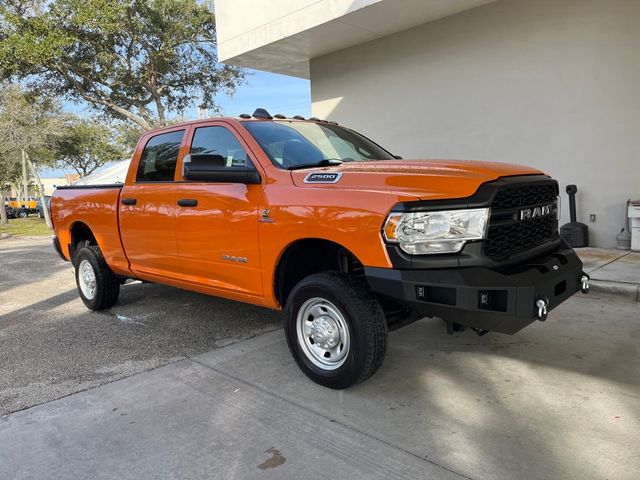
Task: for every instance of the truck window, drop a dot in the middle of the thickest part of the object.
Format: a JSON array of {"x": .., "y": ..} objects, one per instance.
[
  {"x": 297, "y": 143},
  {"x": 218, "y": 146},
  {"x": 159, "y": 158}
]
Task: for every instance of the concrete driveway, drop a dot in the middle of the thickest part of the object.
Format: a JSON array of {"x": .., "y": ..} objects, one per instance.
[{"x": 561, "y": 399}]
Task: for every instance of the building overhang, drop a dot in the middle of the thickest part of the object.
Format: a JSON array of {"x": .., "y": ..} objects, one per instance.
[{"x": 281, "y": 36}]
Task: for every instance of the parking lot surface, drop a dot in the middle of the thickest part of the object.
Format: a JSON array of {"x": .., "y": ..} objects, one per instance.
[
  {"x": 51, "y": 345},
  {"x": 560, "y": 399}
]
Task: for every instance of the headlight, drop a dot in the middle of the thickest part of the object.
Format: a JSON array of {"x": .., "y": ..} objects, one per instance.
[{"x": 436, "y": 232}]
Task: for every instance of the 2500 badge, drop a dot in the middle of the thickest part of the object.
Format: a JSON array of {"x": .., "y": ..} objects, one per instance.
[{"x": 330, "y": 177}]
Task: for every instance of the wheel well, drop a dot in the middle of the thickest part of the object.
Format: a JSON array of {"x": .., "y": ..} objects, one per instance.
[
  {"x": 304, "y": 257},
  {"x": 80, "y": 232}
]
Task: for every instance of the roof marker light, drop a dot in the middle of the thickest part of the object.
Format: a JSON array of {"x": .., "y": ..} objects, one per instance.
[{"x": 262, "y": 113}]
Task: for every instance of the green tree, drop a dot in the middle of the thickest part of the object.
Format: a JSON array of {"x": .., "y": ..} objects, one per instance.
[
  {"x": 88, "y": 145},
  {"x": 127, "y": 135},
  {"x": 132, "y": 59},
  {"x": 31, "y": 126}
]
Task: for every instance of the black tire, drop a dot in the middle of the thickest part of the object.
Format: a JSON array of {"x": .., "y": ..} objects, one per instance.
[
  {"x": 22, "y": 214},
  {"x": 107, "y": 285},
  {"x": 364, "y": 317}
]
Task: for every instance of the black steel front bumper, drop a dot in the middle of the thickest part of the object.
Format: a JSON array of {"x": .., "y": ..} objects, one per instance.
[{"x": 500, "y": 300}]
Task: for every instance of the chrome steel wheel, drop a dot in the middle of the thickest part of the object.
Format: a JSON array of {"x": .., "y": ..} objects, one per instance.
[
  {"x": 323, "y": 333},
  {"x": 87, "y": 279}
]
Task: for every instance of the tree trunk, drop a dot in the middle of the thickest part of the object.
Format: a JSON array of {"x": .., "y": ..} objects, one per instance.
[
  {"x": 25, "y": 180},
  {"x": 45, "y": 210},
  {"x": 3, "y": 213}
]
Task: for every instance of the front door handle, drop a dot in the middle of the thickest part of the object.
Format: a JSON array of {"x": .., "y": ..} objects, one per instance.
[
  {"x": 188, "y": 202},
  {"x": 129, "y": 201}
]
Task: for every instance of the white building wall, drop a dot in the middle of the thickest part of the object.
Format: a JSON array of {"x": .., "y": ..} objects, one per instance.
[{"x": 550, "y": 83}]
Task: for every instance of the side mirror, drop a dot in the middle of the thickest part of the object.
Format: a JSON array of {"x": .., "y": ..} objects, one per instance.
[{"x": 207, "y": 172}]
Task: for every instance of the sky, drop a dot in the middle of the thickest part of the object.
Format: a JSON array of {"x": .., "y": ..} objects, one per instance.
[{"x": 277, "y": 93}]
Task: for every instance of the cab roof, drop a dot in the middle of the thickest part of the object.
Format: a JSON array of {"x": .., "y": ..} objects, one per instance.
[{"x": 260, "y": 114}]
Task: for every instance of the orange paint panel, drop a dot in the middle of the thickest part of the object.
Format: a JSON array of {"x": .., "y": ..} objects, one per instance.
[
  {"x": 97, "y": 209},
  {"x": 320, "y": 213},
  {"x": 217, "y": 239},
  {"x": 148, "y": 228},
  {"x": 426, "y": 179}
]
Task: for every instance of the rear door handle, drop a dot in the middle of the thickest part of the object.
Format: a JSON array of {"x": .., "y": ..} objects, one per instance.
[
  {"x": 188, "y": 202},
  {"x": 129, "y": 201}
]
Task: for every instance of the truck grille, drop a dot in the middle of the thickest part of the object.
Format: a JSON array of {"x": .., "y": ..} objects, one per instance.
[{"x": 507, "y": 233}]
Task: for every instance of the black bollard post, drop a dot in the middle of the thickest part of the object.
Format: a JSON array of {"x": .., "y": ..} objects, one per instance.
[{"x": 576, "y": 234}]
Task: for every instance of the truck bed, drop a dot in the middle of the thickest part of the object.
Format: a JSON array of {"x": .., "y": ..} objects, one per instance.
[{"x": 96, "y": 207}]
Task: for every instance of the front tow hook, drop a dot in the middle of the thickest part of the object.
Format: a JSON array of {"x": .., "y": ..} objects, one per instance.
[
  {"x": 541, "y": 308},
  {"x": 584, "y": 283}
]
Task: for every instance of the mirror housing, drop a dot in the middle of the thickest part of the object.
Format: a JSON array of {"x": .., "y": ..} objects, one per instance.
[
  {"x": 212, "y": 172},
  {"x": 202, "y": 173}
]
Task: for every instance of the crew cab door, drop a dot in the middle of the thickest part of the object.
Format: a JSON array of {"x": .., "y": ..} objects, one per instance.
[
  {"x": 217, "y": 223},
  {"x": 148, "y": 206}
]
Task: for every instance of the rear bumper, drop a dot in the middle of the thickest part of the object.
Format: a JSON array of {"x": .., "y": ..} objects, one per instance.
[{"x": 496, "y": 300}]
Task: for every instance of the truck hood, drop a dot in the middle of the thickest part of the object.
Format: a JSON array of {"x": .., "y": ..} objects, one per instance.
[{"x": 424, "y": 179}]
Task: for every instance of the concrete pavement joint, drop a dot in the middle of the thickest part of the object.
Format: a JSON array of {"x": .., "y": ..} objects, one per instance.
[
  {"x": 6, "y": 416},
  {"x": 609, "y": 263},
  {"x": 182, "y": 358},
  {"x": 46, "y": 329},
  {"x": 366, "y": 434},
  {"x": 617, "y": 281}
]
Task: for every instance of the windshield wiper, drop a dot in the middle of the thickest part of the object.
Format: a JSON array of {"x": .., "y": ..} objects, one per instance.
[{"x": 326, "y": 162}]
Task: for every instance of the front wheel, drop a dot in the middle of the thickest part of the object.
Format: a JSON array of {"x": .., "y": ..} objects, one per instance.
[
  {"x": 336, "y": 329},
  {"x": 22, "y": 214},
  {"x": 99, "y": 288}
]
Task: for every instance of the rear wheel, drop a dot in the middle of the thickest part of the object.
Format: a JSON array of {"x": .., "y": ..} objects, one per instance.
[
  {"x": 98, "y": 286},
  {"x": 336, "y": 329},
  {"x": 22, "y": 214}
]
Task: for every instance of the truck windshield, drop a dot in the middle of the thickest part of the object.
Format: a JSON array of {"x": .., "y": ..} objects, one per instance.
[{"x": 294, "y": 145}]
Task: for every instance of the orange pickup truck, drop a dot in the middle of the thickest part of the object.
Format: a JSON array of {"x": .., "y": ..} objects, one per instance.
[{"x": 316, "y": 219}]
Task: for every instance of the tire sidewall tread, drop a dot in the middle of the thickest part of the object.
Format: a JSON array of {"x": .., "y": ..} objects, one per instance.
[
  {"x": 365, "y": 319},
  {"x": 107, "y": 284}
]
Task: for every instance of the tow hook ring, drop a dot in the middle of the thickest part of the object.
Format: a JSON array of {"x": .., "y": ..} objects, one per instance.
[
  {"x": 541, "y": 308},
  {"x": 584, "y": 283}
]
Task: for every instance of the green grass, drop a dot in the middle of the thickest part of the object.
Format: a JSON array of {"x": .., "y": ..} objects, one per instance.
[{"x": 31, "y": 226}]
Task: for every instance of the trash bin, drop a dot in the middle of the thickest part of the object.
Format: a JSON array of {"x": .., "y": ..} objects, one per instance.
[{"x": 634, "y": 218}]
